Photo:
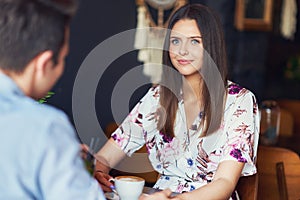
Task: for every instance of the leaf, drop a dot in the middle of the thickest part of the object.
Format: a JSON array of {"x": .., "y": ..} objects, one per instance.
[{"x": 44, "y": 99}]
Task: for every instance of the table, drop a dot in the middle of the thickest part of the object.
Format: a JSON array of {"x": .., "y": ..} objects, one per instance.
[{"x": 146, "y": 190}]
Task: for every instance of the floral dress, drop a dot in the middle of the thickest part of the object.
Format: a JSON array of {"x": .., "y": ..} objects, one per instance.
[{"x": 187, "y": 161}]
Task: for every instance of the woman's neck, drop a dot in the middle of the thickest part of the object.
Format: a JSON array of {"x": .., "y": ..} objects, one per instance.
[
  {"x": 192, "y": 98},
  {"x": 192, "y": 86}
]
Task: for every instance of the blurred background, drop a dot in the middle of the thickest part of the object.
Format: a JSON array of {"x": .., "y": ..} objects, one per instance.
[{"x": 263, "y": 61}]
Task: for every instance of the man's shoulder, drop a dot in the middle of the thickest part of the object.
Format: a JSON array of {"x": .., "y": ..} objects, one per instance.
[
  {"x": 43, "y": 108},
  {"x": 35, "y": 112}
]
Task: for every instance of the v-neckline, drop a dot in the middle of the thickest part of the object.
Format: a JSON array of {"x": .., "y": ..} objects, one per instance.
[{"x": 196, "y": 121}]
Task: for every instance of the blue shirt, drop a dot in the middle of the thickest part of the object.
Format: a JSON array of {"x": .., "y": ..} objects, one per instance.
[{"x": 39, "y": 151}]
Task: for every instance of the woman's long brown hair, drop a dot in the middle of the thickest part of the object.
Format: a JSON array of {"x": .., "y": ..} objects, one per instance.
[{"x": 215, "y": 57}]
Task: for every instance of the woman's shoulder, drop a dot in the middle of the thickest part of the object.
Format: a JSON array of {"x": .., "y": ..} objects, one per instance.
[
  {"x": 237, "y": 95},
  {"x": 237, "y": 91},
  {"x": 150, "y": 99},
  {"x": 152, "y": 94}
]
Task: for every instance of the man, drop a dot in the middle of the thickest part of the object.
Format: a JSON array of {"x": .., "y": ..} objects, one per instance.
[{"x": 39, "y": 151}]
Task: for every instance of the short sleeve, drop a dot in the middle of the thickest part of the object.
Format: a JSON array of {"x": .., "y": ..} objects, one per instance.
[
  {"x": 242, "y": 131},
  {"x": 131, "y": 134}
]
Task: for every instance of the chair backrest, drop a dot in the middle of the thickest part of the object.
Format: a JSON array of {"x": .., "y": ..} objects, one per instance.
[
  {"x": 247, "y": 187},
  {"x": 292, "y": 106},
  {"x": 267, "y": 159},
  {"x": 281, "y": 181},
  {"x": 286, "y": 125},
  {"x": 291, "y": 174}
]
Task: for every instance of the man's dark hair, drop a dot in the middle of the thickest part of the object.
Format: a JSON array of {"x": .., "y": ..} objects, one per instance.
[{"x": 29, "y": 27}]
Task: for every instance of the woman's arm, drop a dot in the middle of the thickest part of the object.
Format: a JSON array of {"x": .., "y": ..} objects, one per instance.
[
  {"x": 222, "y": 186},
  {"x": 107, "y": 157},
  {"x": 127, "y": 138}
]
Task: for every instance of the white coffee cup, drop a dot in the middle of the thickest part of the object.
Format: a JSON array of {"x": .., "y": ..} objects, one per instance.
[{"x": 129, "y": 187}]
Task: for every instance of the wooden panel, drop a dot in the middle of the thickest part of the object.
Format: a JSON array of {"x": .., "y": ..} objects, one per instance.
[
  {"x": 292, "y": 106},
  {"x": 247, "y": 187},
  {"x": 281, "y": 181},
  {"x": 266, "y": 165},
  {"x": 286, "y": 126},
  {"x": 292, "y": 177}
]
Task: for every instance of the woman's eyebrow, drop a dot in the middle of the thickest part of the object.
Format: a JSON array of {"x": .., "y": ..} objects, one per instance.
[
  {"x": 195, "y": 37},
  {"x": 191, "y": 37}
]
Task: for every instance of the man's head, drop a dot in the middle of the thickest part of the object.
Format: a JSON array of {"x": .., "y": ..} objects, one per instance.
[{"x": 34, "y": 32}]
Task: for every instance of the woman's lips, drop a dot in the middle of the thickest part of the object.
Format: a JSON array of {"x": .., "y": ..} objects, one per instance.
[{"x": 184, "y": 62}]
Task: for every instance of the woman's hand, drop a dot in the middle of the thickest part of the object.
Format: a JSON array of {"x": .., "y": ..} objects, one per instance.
[
  {"x": 108, "y": 156},
  {"x": 103, "y": 179},
  {"x": 163, "y": 195}
]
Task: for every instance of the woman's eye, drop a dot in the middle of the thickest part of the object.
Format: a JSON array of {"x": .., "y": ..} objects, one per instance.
[
  {"x": 195, "y": 42},
  {"x": 175, "y": 41}
]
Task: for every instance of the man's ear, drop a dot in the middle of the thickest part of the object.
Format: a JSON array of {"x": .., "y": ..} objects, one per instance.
[{"x": 43, "y": 62}]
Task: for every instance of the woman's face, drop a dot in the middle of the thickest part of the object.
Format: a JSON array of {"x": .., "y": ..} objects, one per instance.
[{"x": 186, "y": 49}]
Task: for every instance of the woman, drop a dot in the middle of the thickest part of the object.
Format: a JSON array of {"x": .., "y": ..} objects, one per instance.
[{"x": 201, "y": 131}]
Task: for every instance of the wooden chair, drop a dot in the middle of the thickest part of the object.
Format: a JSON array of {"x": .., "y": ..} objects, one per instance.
[
  {"x": 286, "y": 125},
  {"x": 287, "y": 140},
  {"x": 291, "y": 173},
  {"x": 281, "y": 181},
  {"x": 267, "y": 159},
  {"x": 247, "y": 187},
  {"x": 293, "y": 106}
]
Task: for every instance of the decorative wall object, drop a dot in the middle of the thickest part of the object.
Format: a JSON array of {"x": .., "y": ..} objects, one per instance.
[
  {"x": 288, "y": 19},
  {"x": 254, "y": 15},
  {"x": 150, "y": 33}
]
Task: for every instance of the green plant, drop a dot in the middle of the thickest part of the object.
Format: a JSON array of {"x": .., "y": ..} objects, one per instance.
[
  {"x": 44, "y": 99},
  {"x": 292, "y": 70}
]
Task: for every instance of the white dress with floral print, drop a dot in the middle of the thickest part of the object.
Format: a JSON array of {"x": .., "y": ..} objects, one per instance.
[{"x": 187, "y": 161}]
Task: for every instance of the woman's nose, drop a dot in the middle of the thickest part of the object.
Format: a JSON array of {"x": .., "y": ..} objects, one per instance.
[{"x": 183, "y": 51}]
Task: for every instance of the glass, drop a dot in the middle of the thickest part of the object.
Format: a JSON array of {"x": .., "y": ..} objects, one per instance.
[
  {"x": 269, "y": 122},
  {"x": 87, "y": 155}
]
